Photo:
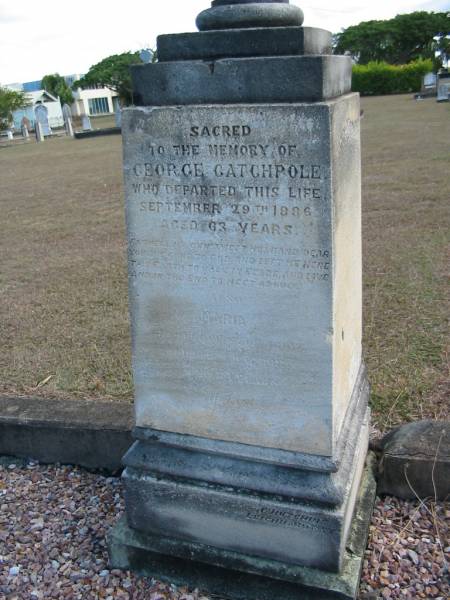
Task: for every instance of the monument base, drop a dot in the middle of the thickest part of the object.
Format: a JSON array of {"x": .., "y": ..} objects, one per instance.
[
  {"x": 239, "y": 576},
  {"x": 257, "y": 506}
]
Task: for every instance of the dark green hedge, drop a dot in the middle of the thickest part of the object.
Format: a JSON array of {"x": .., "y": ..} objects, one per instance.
[{"x": 380, "y": 78}]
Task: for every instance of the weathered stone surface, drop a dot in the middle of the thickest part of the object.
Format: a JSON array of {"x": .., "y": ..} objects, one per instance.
[
  {"x": 245, "y": 270},
  {"x": 41, "y": 114},
  {"x": 242, "y": 80},
  {"x": 249, "y": 14},
  {"x": 415, "y": 461},
  {"x": 255, "y": 468},
  {"x": 273, "y": 524},
  {"x": 267, "y": 41},
  {"x": 242, "y": 177},
  {"x": 241, "y": 576},
  {"x": 80, "y": 432}
]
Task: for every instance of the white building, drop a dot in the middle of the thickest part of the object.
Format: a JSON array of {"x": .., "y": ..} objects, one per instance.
[
  {"x": 53, "y": 105},
  {"x": 93, "y": 100}
]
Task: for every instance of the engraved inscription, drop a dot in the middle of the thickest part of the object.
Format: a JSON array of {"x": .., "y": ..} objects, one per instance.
[
  {"x": 291, "y": 520},
  {"x": 271, "y": 515},
  {"x": 230, "y": 251},
  {"x": 241, "y": 188}
]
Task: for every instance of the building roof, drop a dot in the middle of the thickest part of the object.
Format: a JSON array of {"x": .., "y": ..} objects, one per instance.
[{"x": 41, "y": 96}]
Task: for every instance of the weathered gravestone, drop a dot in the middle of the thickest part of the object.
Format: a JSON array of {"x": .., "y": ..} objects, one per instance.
[
  {"x": 118, "y": 116},
  {"x": 428, "y": 87},
  {"x": 41, "y": 114},
  {"x": 67, "y": 114},
  {"x": 443, "y": 91},
  {"x": 242, "y": 176},
  {"x": 26, "y": 123},
  {"x": 38, "y": 131},
  {"x": 86, "y": 123},
  {"x": 443, "y": 86},
  {"x": 429, "y": 81},
  {"x": 10, "y": 135},
  {"x": 69, "y": 128},
  {"x": 25, "y": 132}
]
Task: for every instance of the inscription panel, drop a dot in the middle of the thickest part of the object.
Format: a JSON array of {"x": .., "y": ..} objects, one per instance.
[
  {"x": 298, "y": 534},
  {"x": 230, "y": 271}
]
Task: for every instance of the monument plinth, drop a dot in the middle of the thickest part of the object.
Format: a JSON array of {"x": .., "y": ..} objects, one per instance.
[{"x": 242, "y": 178}]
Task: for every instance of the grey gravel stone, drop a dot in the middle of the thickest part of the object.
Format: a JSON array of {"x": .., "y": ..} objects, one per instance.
[{"x": 397, "y": 526}]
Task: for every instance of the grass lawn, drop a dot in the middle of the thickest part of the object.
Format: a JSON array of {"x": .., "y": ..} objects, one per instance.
[{"x": 63, "y": 315}]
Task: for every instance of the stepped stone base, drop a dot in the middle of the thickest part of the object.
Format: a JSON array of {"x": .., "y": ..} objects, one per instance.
[
  {"x": 267, "y": 41},
  {"x": 288, "y": 79},
  {"x": 239, "y": 576},
  {"x": 251, "y": 505}
]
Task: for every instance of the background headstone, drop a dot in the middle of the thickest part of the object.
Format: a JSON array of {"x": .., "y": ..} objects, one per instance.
[
  {"x": 67, "y": 112},
  {"x": 443, "y": 85},
  {"x": 10, "y": 135},
  {"x": 118, "y": 116},
  {"x": 443, "y": 90},
  {"x": 25, "y": 133},
  {"x": 41, "y": 113},
  {"x": 86, "y": 123},
  {"x": 38, "y": 131},
  {"x": 429, "y": 81},
  {"x": 27, "y": 123},
  {"x": 69, "y": 127}
]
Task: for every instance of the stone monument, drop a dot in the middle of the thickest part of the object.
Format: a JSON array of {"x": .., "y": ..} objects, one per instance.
[
  {"x": 66, "y": 111},
  {"x": 41, "y": 114},
  {"x": 38, "y": 130},
  {"x": 67, "y": 114},
  {"x": 26, "y": 123},
  {"x": 86, "y": 123},
  {"x": 118, "y": 116},
  {"x": 25, "y": 132},
  {"x": 443, "y": 86},
  {"x": 242, "y": 178}
]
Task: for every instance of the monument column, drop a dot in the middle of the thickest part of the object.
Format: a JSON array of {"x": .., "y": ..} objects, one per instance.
[{"x": 243, "y": 200}]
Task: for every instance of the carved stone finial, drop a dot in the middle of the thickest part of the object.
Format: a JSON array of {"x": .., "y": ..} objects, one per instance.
[{"x": 243, "y": 14}]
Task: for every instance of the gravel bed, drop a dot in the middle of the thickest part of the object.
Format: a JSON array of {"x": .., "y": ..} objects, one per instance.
[
  {"x": 53, "y": 522},
  {"x": 408, "y": 551}
]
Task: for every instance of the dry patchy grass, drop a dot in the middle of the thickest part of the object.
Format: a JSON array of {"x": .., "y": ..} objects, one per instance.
[
  {"x": 63, "y": 274},
  {"x": 406, "y": 233},
  {"x": 63, "y": 278}
]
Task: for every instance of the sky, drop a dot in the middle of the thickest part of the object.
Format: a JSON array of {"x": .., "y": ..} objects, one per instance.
[{"x": 49, "y": 36}]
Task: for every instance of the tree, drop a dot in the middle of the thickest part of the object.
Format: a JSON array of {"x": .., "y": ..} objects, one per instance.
[
  {"x": 113, "y": 72},
  {"x": 405, "y": 38},
  {"x": 10, "y": 101},
  {"x": 57, "y": 86}
]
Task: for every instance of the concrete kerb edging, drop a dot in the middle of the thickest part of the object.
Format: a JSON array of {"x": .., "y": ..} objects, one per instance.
[
  {"x": 94, "y": 434},
  {"x": 79, "y": 135}
]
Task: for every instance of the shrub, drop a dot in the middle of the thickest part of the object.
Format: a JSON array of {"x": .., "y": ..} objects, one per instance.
[{"x": 380, "y": 78}]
